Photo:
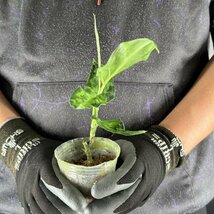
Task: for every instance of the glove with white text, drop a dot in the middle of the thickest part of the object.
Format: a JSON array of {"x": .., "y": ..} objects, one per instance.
[
  {"x": 158, "y": 152},
  {"x": 29, "y": 156}
]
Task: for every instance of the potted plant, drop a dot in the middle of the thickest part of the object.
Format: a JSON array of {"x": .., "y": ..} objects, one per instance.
[{"x": 85, "y": 160}]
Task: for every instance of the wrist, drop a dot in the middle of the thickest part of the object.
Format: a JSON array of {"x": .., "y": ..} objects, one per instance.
[
  {"x": 169, "y": 145},
  {"x": 174, "y": 143},
  {"x": 7, "y": 119},
  {"x": 6, "y": 109},
  {"x": 180, "y": 133},
  {"x": 16, "y": 140}
]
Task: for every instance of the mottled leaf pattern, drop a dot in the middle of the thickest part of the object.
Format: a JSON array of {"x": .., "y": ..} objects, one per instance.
[{"x": 88, "y": 96}]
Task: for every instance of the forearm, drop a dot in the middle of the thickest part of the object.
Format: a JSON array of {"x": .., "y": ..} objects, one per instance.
[
  {"x": 192, "y": 119},
  {"x": 16, "y": 137},
  {"x": 6, "y": 110}
]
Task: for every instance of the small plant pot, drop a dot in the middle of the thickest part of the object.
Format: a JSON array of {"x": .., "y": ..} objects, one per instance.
[{"x": 83, "y": 177}]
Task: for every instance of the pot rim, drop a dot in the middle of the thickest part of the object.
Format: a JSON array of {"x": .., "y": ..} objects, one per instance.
[{"x": 88, "y": 167}]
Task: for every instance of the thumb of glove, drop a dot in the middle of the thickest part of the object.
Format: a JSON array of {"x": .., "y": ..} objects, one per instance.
[
  {"x": 69, "y": 194},
  {"x": 108, "y": 185}
]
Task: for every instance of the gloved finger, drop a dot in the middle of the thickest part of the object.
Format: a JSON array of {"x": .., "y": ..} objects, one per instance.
[
  {"x": 144, "y": 199},
  {"x": 48, "y": 175},
  {"x": 63, "y": 208},
  {"x": 26, "y": 208},
  {"x": 108, "y": 185},
  {"x": 110, "y": 203},
  {"x": 133, "y": 201},
  {"x": 44, "y": 204},
  {"x": 31, "y": 204},
  {"x": 69, "y": 194},
  {"x": 34, "y": 207},
  {"x": 135, "y": 172},
  {"x": 21, "y": 186},
  {"x": 140, "y": 204}
]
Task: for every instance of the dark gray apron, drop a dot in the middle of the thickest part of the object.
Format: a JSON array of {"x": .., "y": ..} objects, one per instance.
[{"x": 46, "y": 50}]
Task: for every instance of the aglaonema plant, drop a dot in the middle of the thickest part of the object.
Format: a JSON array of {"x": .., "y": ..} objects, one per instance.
[{"x": 100, "y": 89}]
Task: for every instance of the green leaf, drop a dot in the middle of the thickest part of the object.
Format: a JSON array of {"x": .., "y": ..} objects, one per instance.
[
  {"x": 109, "y": 91},
  {"x": 111, "y": 125},
  {"x": 129, "y": 133},
  {"x": 116, "y": 126},
  {"x": 93, "y": 79},
  {"x": 125, "y": 56},
  {"x": 88, "y": 96},
  {"x": 83, "y": 98}
]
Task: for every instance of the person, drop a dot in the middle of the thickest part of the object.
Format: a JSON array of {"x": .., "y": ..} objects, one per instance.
[{"x": 46, "y": 49}]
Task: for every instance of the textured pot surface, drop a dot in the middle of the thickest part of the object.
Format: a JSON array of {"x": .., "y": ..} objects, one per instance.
[{"x": 83, "y": 177}]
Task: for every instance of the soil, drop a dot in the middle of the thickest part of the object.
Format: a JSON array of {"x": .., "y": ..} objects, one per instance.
[{"x": 97, "y": 160}]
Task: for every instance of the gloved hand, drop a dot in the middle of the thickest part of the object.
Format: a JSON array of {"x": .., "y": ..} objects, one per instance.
[
  {"x": 69, "y": 194},
  {"x": 109, "y": 204},
  {"x": 29, "y": 157},
  {"x": 127, "y": 159},
  {"x": 125, "y": 162},
  {"x": 158, "y": 152}
]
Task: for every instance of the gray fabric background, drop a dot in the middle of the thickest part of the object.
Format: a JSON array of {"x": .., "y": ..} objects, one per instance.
[{"x": 46, "y": 50}]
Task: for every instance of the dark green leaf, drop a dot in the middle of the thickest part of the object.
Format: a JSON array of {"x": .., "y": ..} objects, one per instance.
[
  {"x": 85, "y": 97},
  {"x": 125, "y": 56},
  {"x": 109, "y": 91},
  {"x": 88, "y": 96},
  {"x": 93, "y": 79}
]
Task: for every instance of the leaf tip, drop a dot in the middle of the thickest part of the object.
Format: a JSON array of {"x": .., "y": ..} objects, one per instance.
[{"x": 157, "y": 50}]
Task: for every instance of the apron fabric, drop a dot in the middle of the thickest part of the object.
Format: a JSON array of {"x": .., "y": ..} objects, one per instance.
[
  {"x": 46, "y": 50},
  {"x": 201, "y": 211}
]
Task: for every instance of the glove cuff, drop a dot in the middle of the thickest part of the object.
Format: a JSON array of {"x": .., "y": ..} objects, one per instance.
[
  {"x": 16, "y": 140},
  {"x": 175, "y": 142},
  {"x": 175, "y": 147},
  {"x": 10, "y": 118}
]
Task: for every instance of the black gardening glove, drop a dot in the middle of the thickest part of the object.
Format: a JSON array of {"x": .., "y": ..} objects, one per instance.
[
  {"x": 37, "y": 165},
  {"x": 29, "y": 156},
  {"x": 158, "y": 151}
]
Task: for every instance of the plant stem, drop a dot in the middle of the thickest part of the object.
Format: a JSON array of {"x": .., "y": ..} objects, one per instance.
[
  {"x": 97, "y": 42},
  {"x": 87, "y": 146},
  {"x": 95, "y": 110},
  {"x": 93, "y": 124},
  {"x": 87, "y": 151}
]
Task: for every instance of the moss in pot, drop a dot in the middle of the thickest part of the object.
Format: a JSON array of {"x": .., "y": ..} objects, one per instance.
[{"x": 85, "y": 160}]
